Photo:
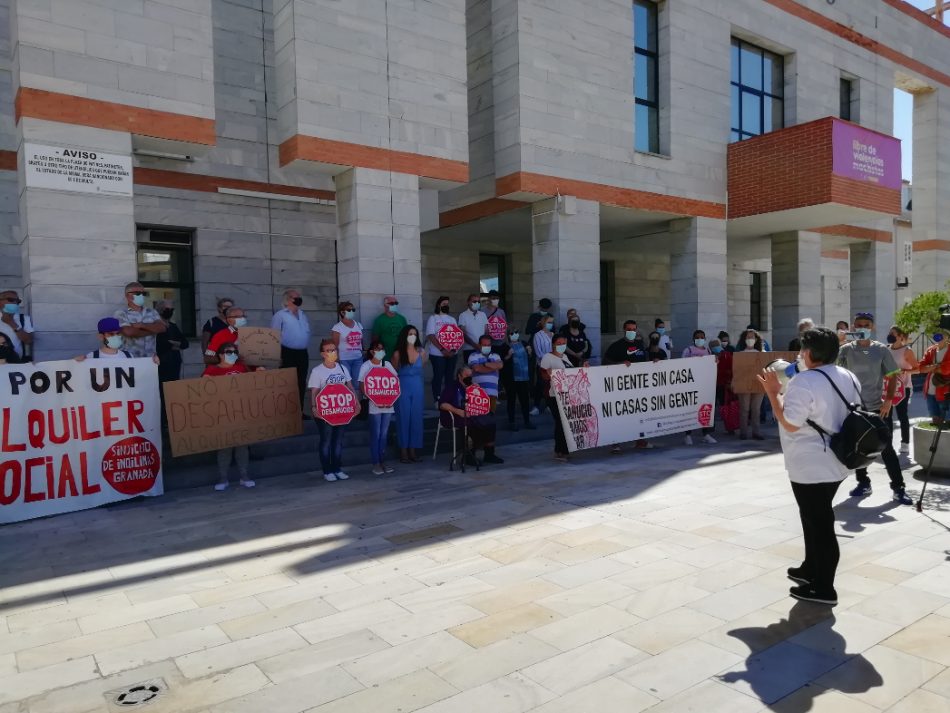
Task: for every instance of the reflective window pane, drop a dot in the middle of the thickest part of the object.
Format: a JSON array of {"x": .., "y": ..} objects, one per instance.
[
  {"x": 750, "y": 66},
  {"x": 644, "y": 77},
  {"x": 735, "y": 61},
  {"x": 734, "y": 106},
  {"x": 646, "y": 129},
  {"x": 774, "y": 74},
  {"x": 773, "y": 118},
  {"x": 734, "y": 136},
  {"x": 751, "y": 113},
  {"x": 644, "y": 25}
]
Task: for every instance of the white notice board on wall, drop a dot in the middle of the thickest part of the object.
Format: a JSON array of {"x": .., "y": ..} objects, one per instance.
[{"x": 68, "y": 168}]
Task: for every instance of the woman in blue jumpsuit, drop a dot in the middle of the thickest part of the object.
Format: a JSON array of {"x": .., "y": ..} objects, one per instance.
[{"x": 409, "y": 358}]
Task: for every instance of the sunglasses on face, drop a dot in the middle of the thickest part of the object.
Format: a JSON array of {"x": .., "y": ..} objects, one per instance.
[
  {"x": 13, "y": 300},
  {"x": 138, "y": 293},
  {"x": 392, "y": 303},
  {"x": 229, "y": 352}
]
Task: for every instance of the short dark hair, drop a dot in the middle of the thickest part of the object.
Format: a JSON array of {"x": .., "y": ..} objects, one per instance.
[
  {"x": 442, "y": 298},
  {"x": 485, "y": 336},
  {"x": 630, "y": 321},
  {"x": 822, "y": 343},
  {"x": 545, "y": 302},
  {"x": 657, "y": 322}
]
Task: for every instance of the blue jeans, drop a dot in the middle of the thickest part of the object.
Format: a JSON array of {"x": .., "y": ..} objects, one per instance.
[
  {"x": 378, "y": 428},
  {"x": 331, "y": 447},
  {"x": 937, "y": 409},
  {"x": 443, "y": 371},
  {"x": 353, "y": 366}
]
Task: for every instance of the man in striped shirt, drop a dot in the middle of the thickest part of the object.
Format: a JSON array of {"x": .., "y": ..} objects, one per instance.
[{"x": 486, "y": 368}]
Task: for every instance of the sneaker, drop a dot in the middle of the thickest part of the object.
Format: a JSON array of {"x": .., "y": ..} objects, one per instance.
[
  {"x": 709, "y": 439},
  {"x": 902, "y": 497},
  {"x": 798, "y": 574},
  {"x": 387, "y": 469},
  {"x": 378, "y": 471},
  {"x": 861, "y": 491},
  {"x": 221, "y": 486},
  {"x": 329, "y": 477},
  {"x": 688, "y": 440},
  {"x": 493, "y": 459},
  {"x": 248, "y": 483},
  {"x": 534, "y": 412},
  {"x": 808, "y": 593},
  {"x": 340, "y": 475}
]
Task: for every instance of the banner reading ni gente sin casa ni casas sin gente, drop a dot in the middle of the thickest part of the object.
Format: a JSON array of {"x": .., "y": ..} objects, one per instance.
[{"x": 74, "y": 435}]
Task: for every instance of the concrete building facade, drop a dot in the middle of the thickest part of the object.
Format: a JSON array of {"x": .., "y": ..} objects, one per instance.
[{"x": 710, "y": 162}]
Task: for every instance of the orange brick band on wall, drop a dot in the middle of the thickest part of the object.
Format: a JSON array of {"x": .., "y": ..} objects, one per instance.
[{"x": 922, "y": 246}]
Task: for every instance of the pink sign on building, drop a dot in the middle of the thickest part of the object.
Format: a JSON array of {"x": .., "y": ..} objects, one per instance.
[{"x": 866, "y": 155}]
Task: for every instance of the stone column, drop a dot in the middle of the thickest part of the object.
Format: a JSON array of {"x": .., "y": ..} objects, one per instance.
[
  {"x": 78, "y": 249},
  {"x": 931, "y": 191},
  {"x": 872, "y": 283},
  {"x": 565, "y": 245},
  {"x": 796, "y": 283},
  {"x": 378, "y": 250},
  {"x": 698, "y": 285}
]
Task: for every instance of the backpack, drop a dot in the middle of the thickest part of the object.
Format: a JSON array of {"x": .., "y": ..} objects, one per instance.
[{"x": 862, "y": 437}]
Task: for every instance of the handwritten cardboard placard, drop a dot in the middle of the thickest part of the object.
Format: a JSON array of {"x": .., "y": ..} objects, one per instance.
[
  {"x": 749, "y": 364},
  {"x": 260, "y": 346},
  {"x": 216, "y": 412}
]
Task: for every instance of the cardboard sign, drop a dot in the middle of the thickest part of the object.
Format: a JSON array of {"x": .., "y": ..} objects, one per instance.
[
  {"x": 381, "y": 387},
  {"x": 603, "y": 405},
  {"x": 260, "y": 346},
  {"x": 215, "y": 412},
  {"x": 75, "y": 435},
  {"x": 335, "y": 404},
  {"x": 747, "y": 365},
  {"x": 497, "y": 328},
  {"x": 477, "y": 402},
  {"x": 450, "y": 337}
]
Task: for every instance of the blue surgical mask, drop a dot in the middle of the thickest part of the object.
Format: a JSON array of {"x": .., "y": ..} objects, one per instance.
[
  {"x": 863, "y": 333},
  {"x": 138, "y": 300},
  {"x": 114, "y": 341},
  {"x": 515, "y": 337},
  {"x": 475, "y": 306},
  {"x": 560, "y": 348},
  {"x": 380, "y": 355},
  {"x": 549, "y": 326},
  {"x": 394, "y": 309},
  {"x": 11, "y": 308},
  {"x": 630, "y": 334},
  {"x": 231, "y": 358},
  {"x": 486, "y": 350},
  {"x": 240, "y": 322},
  {"x": 699, "y": 342},
  {"x": 349, "y": 314},
  {"x": 938, "y": 337},
  {"x": 661, "y": 331},
  {"x": 716, "y": 350}
]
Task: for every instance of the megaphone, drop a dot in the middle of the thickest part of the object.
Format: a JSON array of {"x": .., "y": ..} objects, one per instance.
[{"x": 784, "y": 370}]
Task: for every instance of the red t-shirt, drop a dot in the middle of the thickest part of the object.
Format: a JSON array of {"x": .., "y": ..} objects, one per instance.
[
  {"x": 223, "y": 369},
  {"x": 225, "y": 335}
]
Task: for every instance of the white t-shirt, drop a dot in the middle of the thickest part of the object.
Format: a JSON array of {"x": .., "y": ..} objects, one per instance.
[
  {"x": 27, "y": 327},
  {"x": 555, "y": 361},
  {"x": 474, "y": 325},
  {"x": 433, "y": 325},
  {"x": 321, "y": 375},
  {"x": 121, "y": 354},
  {"x": 351, "y": 340},
  {"x": 810, "y": 396},
  {"x": 666, "y": 344},
  {"x": 364, "y": 370}
]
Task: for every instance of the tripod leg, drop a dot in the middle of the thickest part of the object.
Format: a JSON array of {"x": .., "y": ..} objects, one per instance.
[{"x": 933, "y": 454}]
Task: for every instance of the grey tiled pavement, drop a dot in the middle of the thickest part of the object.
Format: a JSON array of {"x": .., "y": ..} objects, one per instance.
[{"x": 641, "y": 581}]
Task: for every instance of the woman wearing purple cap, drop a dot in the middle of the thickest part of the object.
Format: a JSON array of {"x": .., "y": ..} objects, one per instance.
[{"x": 110, "y": 336}]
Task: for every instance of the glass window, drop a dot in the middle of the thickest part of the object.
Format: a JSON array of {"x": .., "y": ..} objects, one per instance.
[
  {"x": 845, "y": 90},
  {"x": 166, "y": 269},
  {"x": 493, "y": 275},
  {"x": 756, "y": 289},
  {"x": 646, "y": 77},
  {"x": 758, "y": 88}
]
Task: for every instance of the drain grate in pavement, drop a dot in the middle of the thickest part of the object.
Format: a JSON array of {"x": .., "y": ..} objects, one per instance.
[{"x": 137, "y": 695}]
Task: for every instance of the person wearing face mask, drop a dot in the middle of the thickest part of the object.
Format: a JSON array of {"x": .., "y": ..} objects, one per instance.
[
  {"x": 330, "y": 371},
  {"x": 379, "y": 417},
  {"x": 486, "y": 366},
  {"x": 908, "y": 364},
  {"x": 724, "y": 394},
  {"x": 492, "y": 308},
  {"x": 235, "y": 320},
  {"x": 229, "y": 363},
  {"x": 474, "y": 323},
  {"x": 140, "y": 324},
  {"x": 725, "y": 342},
  {"x": 388, "y": 325},
  {"x": 698, "y": 349},
  {"x": 294, "y": 328},
  {"x": 442, "y": 360},
  {"x": 936, "y": 365},
  {"x": 842, "y": 329},
  {"x": 534, "y": 319},
  {"x": 578, "y": 346},
  {"x": 628, "y": 350},
  {"x": 216, "y": 323},
  {"x": 666, "y": 342},
  {"x": 347, "y": 334},
  {"x": 481, "y": 429},
  {"x": 750, "y": 405},
  {"x": 766, "y": 347},
  {"x": 654, "y": 351},
  {"x": 17, "y": 326},
  {"x": 110, "y": 342},
  {"x": 541, "y": 345},
  {"x": 554, "y": 360},
  {"x": 7, "y": 354},
  {"x": 872, "y": 362},
  {"x": 515, "y": 375},
  {"x": 169, "y": 345},
  {"x": 409, "y": 359}
]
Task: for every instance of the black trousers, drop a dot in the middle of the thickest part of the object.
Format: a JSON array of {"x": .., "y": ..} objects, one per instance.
[
  {"x": 818, "y": 528},
  {"x": 891, "y": 462},
  {"x": 560, "y": 442},
  {"x": 298, "y": 359},
  {"x": 517, "y": 389},
  {"x": 902, "y": 417}
]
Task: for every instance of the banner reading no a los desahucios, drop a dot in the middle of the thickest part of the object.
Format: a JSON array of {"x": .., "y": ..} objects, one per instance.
[
  {"x": 74, "y": 435},
  {"x": 603, "y": 405}
]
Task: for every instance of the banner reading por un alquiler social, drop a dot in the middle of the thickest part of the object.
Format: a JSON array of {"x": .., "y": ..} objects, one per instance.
[
  {"x": 74, "y": 435},
  {"x": 603, "y": 405}
]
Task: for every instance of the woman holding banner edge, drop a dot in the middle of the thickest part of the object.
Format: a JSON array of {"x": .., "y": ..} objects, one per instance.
[
  {"x": 229, "y": 363},
  {"x": 331, "y": 437},
  {"x": 554, "y": 360},
  {"x": 379, "y": 417}
]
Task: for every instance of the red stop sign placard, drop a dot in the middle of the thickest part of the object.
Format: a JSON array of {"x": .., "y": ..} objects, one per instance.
[
  {"x": 381, "y": 387},
  {"x": 477, "y": 402},
  {"x": 450, "y": 337},
  {"x": 335, "y": 404},
  {"x": 497, "y": 328}
]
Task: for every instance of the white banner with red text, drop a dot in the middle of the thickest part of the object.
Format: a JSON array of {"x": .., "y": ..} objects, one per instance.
[
  {"x": 603, "y": 405},
  {"x": 75, "y": 435}
]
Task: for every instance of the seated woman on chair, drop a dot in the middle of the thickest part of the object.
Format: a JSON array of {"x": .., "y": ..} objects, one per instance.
[{"x": 481, "y": 429}]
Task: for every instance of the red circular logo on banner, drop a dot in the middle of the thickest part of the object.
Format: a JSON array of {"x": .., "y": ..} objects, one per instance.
[
  {"x": 381, "y": 387},
  {"x": 478, "y": 403},
  {"x": 497, "y": 328},
  {"x": 450, "y": 337},
  {"x": 132, "y": 465},
  {"x": 335, "y": 404},
  {"x": 705, "y": 415}
]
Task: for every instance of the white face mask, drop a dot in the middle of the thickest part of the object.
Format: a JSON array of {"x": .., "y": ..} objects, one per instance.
[
  {"x": 630, "y": 335},
  {"x": 495, "y": 303},
  {"x": 138, "y": 300},
  {"x": 699, "y": 342},
  {"x": 750, "y": 343},
  {"x": 240, "y": 322},
  {"x": 475, "y": 306},
  {"x": 515, "y": 337},
  {"x": 411, "y": 339},
  {"x": 380, "y": 355},
  {"x": 231, "y": 358},
  {"x": 486, "y": 350},
  {"x": 114, "y": 341}
]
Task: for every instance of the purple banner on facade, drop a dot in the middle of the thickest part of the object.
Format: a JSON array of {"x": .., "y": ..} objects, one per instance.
[{"x": 866, "y": 155}]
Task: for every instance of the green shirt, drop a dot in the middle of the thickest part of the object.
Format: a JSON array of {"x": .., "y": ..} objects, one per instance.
[
  {"x": 387, "y": 329},
  {"x": 870, "y": 364}
]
